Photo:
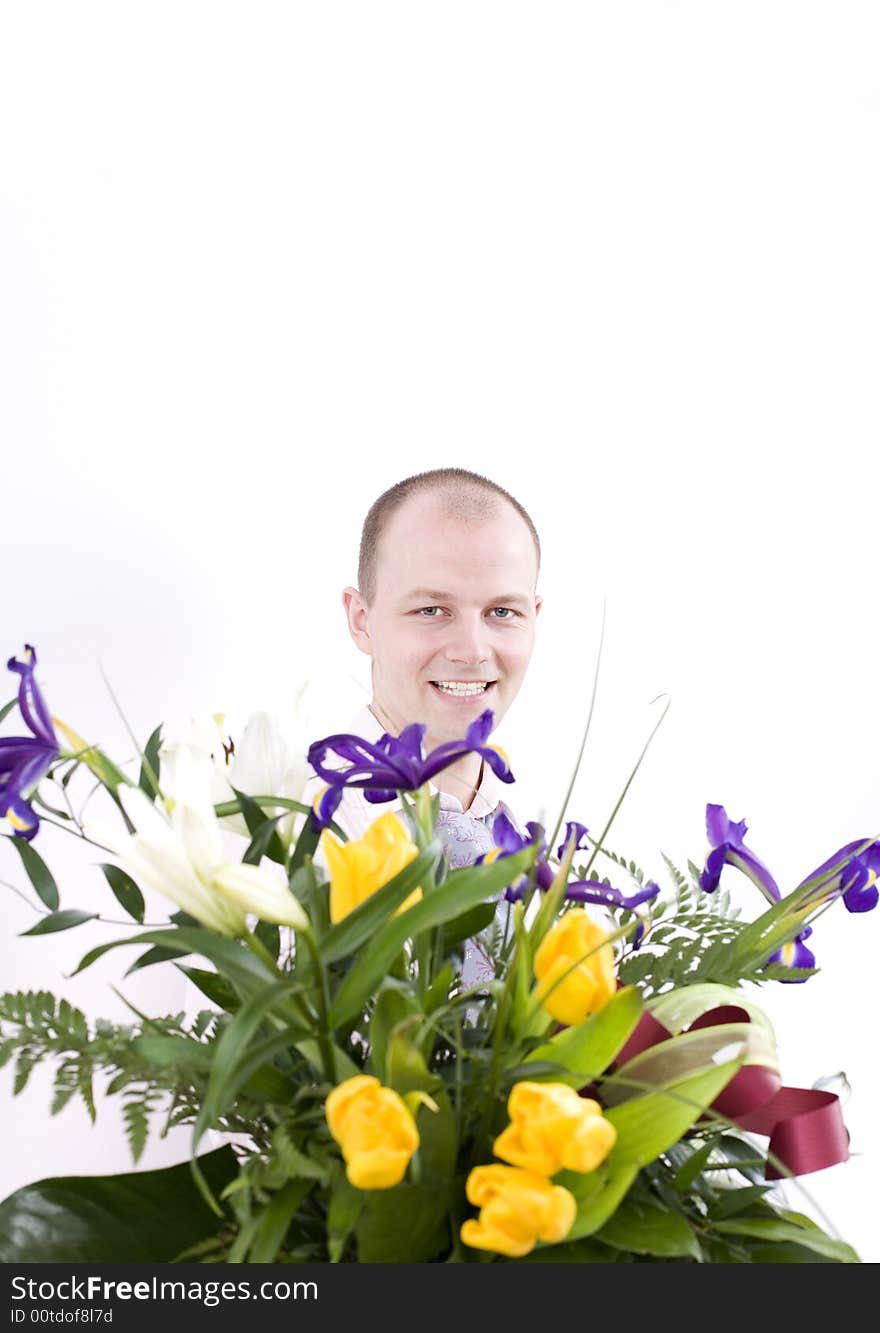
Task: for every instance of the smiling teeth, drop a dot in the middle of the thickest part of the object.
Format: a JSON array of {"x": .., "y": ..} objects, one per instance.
[{"x": 457, "y": 687}]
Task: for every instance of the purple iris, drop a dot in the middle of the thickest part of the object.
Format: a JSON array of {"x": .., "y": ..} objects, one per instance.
[
  {"x": 24, "y": 759},
  {"x": 795, "y": 954},
  {"x": 508, "y": 842},
  {"x": 854, "y": 881},
  {"x": 728, "y": 848},
  {"x": 395, "y": 763}
]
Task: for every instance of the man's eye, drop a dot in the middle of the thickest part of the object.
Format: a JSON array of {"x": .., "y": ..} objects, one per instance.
[
  {"x": 429, "y": 608},
  {"x": 509, "y": 609}
]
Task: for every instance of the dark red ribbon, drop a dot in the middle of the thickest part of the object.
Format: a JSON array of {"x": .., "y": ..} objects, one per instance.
[{"x": 805, "y": 1127}]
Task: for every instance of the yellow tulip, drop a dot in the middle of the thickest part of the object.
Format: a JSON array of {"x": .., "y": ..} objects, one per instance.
[
  {"x": 517, "y": 1209},
  {"x": 360, "y": 867},
  {"x": 590, "y": 983},
  {"x": 552, "y": 1129},
  {"x": 375, "y": 1130}
]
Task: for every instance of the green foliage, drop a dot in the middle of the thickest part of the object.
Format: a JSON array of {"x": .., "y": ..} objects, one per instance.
[{"x": 380, "y": 994}]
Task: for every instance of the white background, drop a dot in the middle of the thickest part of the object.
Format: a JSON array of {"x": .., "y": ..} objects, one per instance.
[{"x": 259, "y": 262}]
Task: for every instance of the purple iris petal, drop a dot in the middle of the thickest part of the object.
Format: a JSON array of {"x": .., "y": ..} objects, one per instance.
[
  {"x": 855, "y": 882},
  {"x": 727, "y": 844},
  {"x": 395, "y": 763},
  {"x": 795, "y": 954},
  {"x": 24, "y": 759},
  {"x": 594, "y": 891},
  {"x": 506, "y": 836},
  {"x": 580, "y": 831},
  {"x": 31, "y": 703},
  {"x": 858, "y": 885}
]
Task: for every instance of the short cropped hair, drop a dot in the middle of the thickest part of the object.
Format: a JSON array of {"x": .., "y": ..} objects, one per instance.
[{"x": 466, "y": 496}]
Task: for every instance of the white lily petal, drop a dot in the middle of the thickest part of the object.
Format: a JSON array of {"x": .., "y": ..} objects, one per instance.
[
  {"x": 200, "y": 839},
  {"x": 255, "y": 889},
  {"x": 151, "y": 821},
  {"x": 260, "y": 757}
]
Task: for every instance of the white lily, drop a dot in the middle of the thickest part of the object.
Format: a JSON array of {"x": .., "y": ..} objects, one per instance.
[
  {"x": 180, "y": 855},
  {"x": 269, "y": 760}
]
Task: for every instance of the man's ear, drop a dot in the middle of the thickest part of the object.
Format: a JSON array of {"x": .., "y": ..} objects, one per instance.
[
  {"x": 356, "y": 613},
  {"x": 539, "y": 602}
]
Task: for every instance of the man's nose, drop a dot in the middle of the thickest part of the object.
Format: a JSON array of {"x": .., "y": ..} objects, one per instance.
[{"x": 468, "y": 642}]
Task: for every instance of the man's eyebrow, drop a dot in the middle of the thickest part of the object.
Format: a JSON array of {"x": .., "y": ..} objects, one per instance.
[{"x": 432, "y": 595}]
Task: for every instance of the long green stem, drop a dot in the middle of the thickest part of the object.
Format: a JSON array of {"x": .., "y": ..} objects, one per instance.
[
  {"x": 324, "y": 1042},
  {"x": 628, "y": 783},
  {"x": 580, "y": 754},
  {"x": 257, "y": 947}
]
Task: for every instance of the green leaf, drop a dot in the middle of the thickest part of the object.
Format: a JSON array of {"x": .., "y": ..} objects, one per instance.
[
  {"x": 235, "y": 1051},
  {"x": 64, "y": 920},
  {"x": 125, "y": 891},
  {"x": 728, "y": 1202},
  {"x": 438, "y": 991},
  {"x": 466, "y": 926},
  {"x": 648, "y": 1229},
  {"x": 585, "y": 1251},
  {"x": 215, "y": 987},
  {"x": 586, "y": 1051},
  {"x": 690, "y": 1052},
  {"x": 7, "y": 708},
  {"x": 149, "y": 775},
  {"x": 306, "y": 845},
  {"x": 150, "y": 958},
  {"x": 404, "y": 1225},
  {"x": 140, "y": 1217},
  {"x": 809, "y": 1236},
  {"x": 597, "y": 1193},
  {"x": 461, "y": 890},
  {"x": 167, "y": 1050},
  {"x": 264, "y": 835},
  {"x": 687, "y": 1174},
  {"x": 38, "y": 873},
  {"x": 346, "y": 1206},
  {"x": 395, "y": 1004},
  {"x": 347, "y": 935},
  {"x": 648, "y": 1125},
  {"x": 269, "y": 936},
  {"x": 237, "y": 963},
  {"x": 269, "y": 1234}
]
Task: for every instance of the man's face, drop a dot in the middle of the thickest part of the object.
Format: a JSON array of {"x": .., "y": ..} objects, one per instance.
[{"x": 454, "y": 602}]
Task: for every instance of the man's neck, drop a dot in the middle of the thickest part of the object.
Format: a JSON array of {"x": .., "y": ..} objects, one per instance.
[{"x": 461, "y": 780}]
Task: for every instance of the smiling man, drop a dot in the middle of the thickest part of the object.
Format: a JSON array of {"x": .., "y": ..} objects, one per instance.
[{"x": 447, "y": 610}]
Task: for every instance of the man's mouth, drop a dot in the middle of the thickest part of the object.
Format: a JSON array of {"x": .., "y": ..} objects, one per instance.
[{"x": 463, "y": 689}]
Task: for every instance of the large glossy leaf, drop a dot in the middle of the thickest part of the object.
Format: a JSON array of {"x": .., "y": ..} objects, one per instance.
[
  {"x": 586, "y": 1251},
  {"x": 587, "y": 1050},
  {"x": 148, "y": 780},
  {"x": 647, "y": 1126},
  {"x": 801, "y": 1232},
  {"x": 125, "y": 891},
  {"x": 140, "y": 1217},
  {"x": 404, "y": 1225},
  {"x": 231, "y": 1058},
  {"x": 598, "y": 1194},
  {"x": 691, "y": 1053},
  {"x": 37, "y": 872},
  {"x": 645, "y": 1228},
  {"x": 66, "y": 919}
]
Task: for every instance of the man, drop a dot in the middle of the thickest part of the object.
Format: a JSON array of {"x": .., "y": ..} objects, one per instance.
[{"x": 447, "y": 610}]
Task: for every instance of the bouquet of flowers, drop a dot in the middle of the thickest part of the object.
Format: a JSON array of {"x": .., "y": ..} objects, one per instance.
[{"x": 608, "y": 1092}]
